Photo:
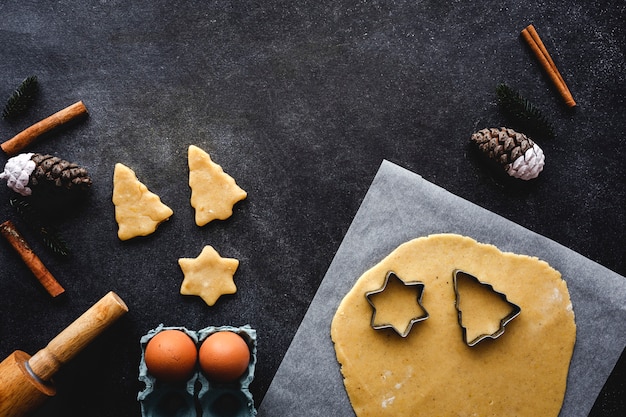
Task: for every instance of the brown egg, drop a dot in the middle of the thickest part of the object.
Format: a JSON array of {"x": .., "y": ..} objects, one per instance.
[
  {"x": 171, "y": 356},
  {"x": 224, "y": 356}
]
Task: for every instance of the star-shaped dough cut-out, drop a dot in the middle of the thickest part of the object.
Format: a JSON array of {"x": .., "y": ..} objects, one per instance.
[
  {"x": 213, "y": 192},
  {"x": 138, "y": 211},
  {"x": 397, "y": 305},
  {"x": 483, "y": 312},
  {"x": 208, "y": 276}
]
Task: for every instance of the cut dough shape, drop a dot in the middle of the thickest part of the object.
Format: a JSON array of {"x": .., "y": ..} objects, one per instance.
[
  {"x": 138, "y": 211},
  {"x": 213, "y": 192},
  {"x": 208, "y": 276},
  {"x": 432, "y": 372}
]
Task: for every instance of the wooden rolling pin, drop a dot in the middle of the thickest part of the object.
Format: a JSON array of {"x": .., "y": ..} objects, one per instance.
[{"x": 25, "y": 381}]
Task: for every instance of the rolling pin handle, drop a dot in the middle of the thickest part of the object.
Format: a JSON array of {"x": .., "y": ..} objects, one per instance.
[{"x": 67, "y": 344}]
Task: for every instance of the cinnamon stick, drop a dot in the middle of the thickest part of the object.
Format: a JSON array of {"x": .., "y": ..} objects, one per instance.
[
  {"x": 26, "y": 137},
  {"x": 535, "y": 36},
  {"x": 530, "y": 35},
  {"x": 31, "y": 260}
]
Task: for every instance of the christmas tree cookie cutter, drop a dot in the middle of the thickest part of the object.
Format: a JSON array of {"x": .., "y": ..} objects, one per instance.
[
  {"x": 515, "y": 309},
  {"x": 420, "y": 290}
]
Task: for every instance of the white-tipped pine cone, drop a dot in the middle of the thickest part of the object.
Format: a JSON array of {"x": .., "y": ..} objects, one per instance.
[
  {"x": 27, "y": 171},
  {"x": 518, "y": 154}
]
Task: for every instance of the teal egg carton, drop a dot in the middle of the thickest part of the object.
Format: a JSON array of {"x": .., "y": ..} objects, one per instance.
[{"x": 198, "y": 396}]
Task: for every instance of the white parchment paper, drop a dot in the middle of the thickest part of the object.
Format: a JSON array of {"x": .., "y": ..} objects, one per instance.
[{"x": 399, "y": 206}]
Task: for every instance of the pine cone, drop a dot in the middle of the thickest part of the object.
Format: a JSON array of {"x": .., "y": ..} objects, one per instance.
[
  {"x": 29, "y": 171},
  {"x": 518, "y": 154}
]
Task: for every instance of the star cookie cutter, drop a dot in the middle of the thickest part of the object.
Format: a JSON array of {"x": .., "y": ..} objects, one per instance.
[
  {"x": 424, "y": 316},
  {"x": 515, "y": 309}
]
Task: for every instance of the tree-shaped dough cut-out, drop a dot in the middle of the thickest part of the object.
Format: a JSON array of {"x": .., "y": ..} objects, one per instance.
[
  {"x": 208, "y": 276},
  {"x": 397, "y": 305},
  {"x": 213, "y": 192},
  {"x": 483, "y": 312},
  {"x": 138, "y": 211}
]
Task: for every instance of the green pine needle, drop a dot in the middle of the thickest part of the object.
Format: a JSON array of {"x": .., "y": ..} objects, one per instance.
[
  {"x": 22, "y": 98},
  {"x": 522, "y": 114},
  {"x": 50, "y": 236}
]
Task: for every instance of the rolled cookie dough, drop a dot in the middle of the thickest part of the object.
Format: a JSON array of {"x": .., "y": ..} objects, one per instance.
[{"x": 432, "y": 372}]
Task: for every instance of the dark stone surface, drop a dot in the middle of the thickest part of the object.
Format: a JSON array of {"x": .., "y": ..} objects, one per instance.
[{"x": 299, "y": 102}]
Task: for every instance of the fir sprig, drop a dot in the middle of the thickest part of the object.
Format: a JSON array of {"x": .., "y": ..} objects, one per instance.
[
  {"x": 49, "y": 234},
  {"x": 522, "y": 115},
  {"x": 22, "y": 98}
]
